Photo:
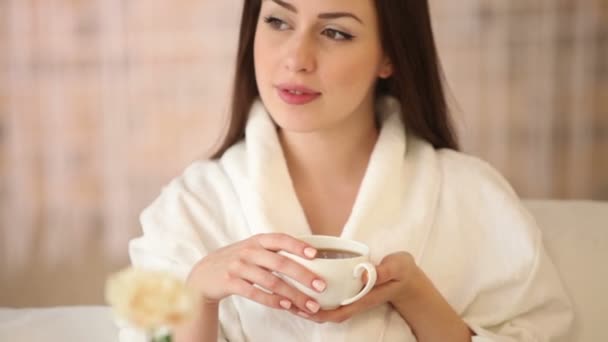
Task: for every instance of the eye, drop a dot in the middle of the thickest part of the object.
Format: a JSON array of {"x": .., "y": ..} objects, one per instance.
[
  {"x": 276, "y": 23},
  {"x": 337, "y": 35}
]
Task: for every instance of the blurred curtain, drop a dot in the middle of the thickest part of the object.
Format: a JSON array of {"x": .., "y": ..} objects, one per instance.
[
  {"x": 529, "y": 81},
  {"x": 103, "y": 102}
]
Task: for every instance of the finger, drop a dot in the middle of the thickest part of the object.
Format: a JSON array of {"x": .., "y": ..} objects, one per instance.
[
  {"x": 303, "y": 314},
  {"x": 286, "y": 266},
  {"x": 271, "y": 282},
  {"x": 376, "y": 297},
  {"x": 244, "y": 289},
  {"x": 278, "y": 241}
]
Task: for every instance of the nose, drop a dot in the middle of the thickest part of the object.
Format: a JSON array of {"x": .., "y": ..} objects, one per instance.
[{"x": 300, "y": 55}]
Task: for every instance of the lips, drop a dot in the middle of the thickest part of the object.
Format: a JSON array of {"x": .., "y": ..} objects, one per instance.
[{"x": 295, "y": 94}]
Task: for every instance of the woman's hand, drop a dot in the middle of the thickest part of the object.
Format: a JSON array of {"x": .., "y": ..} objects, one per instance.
[
  {"x": 404, "y": 285},
  {"x": 234, "y": 269},
  {"x": 392, "y": 286}
]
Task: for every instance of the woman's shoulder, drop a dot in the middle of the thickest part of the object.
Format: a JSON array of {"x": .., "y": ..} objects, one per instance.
[
  {"x": 470, "y": 174},
  {"x": 202, "y": 186},
  {"x": 200, "y": 177},
  {"x": 185, "y": 221},
  {"x": 479, "y": 198},
  {"x": 205, "y": 186},
  {"x": 211, "y": 173},
  {"x": 481, "y": 195}
]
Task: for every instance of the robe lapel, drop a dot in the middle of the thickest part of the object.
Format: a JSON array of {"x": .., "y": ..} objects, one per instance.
[{"x": 394, "y": 209}]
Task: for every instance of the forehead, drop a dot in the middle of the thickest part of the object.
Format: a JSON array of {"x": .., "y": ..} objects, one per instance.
[{"x": 362, "y": 8}]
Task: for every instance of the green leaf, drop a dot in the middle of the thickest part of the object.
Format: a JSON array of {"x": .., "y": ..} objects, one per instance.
[{"x": 166, "y": 338}]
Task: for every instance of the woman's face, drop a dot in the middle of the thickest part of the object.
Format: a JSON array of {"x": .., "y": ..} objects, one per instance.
[{"x": 317, "y": 61}]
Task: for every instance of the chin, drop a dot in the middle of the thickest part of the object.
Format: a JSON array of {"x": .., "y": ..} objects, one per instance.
[
  {"x": 295, "y": 125},
  {"x": 299, "y": 119}
]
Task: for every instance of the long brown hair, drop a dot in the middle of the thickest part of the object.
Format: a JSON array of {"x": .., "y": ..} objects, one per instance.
[{"x": 407, "y": 39}]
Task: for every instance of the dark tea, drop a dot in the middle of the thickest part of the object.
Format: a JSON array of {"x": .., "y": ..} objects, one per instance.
[{"x": 327, "y": 253}]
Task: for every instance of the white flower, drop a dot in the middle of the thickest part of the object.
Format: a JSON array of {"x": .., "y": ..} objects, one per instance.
[{"x": 149, "y": 300}]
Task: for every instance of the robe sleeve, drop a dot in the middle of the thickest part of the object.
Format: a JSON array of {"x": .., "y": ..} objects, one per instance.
[
  {"x": 516, "y": 292},
  {"x": 538, "y": 309},
  {"x": 180, "y": 227}
]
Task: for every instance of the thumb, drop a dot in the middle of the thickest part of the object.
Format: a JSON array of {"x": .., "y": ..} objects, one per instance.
[
  {"x": 365, "y": 277},
  {"x": 386, "y": 270},
  {"x": 384, "y": 273}
]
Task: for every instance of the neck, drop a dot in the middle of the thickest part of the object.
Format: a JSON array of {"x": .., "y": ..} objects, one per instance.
[{"x": 330, "y": 156}]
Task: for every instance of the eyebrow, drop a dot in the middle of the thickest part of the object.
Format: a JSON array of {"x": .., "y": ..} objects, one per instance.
[{"x": 329, "y": 15}]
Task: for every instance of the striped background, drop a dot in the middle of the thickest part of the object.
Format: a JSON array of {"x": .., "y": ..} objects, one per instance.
[{"x": 103, "y": 101}]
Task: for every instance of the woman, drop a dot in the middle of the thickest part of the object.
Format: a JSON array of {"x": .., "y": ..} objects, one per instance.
[{"x": 339, "y": 127}]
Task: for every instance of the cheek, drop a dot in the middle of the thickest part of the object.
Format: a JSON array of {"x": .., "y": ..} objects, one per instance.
[
  {"x": 353, "y": 73},
  {"x": 267, "y": 43},
  {"x": 263, "y": 57}
]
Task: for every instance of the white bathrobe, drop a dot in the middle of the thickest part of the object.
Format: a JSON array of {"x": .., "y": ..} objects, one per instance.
[{"x": 457, "y": 216}]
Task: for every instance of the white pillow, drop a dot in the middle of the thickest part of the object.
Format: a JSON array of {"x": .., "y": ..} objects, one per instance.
[
  {"x": 67, "y": 324},
  {"x": 576, "y": 237}
]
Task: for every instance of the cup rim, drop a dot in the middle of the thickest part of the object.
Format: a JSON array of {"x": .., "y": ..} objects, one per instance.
[{"x": 318, "y": 241}]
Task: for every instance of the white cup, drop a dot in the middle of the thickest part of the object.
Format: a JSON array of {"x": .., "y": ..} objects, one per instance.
[{"x": 343, "y": 276}]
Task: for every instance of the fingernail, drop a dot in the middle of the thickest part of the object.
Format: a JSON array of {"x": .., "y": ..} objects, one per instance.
[
  {"x": 319, "y": 285},
  {"x": 285, "y": 304},
  {"x": 303, "y": 314},
  {"x": 312, "y": 306},
  {"x": 310, "y": 252}
]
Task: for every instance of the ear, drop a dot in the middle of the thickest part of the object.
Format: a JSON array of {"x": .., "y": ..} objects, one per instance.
[{"x": 386, "y": 68}]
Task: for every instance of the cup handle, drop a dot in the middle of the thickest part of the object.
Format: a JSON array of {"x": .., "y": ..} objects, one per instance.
[{"x": 371, "y": 281}]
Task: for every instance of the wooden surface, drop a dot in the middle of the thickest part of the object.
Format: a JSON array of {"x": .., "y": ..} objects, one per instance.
[{"x": 103, "y": 102}]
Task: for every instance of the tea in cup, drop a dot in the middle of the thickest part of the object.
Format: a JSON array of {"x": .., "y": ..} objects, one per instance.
[{"x": 341, "y": 263}]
